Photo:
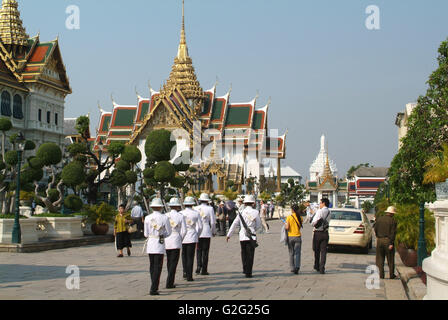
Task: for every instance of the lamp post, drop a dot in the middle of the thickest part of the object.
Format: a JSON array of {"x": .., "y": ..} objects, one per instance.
[
  {"x": 16, "y": 232},
  {"x": 421, "y": 251},
  {"x": 100, "y": 152}
]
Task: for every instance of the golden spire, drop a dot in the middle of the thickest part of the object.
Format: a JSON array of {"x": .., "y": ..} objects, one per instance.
[
  {"x": 183, "y": 73},
  {"x": 327, "y": 170},
  {"x": 12, "y": 32}
]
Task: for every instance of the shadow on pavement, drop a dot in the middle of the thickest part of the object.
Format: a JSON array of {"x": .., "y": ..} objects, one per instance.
[{"x": 22, "y": 273}]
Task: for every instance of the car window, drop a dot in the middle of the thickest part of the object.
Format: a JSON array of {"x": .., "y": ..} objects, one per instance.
[{"x": 346, "y": 215}]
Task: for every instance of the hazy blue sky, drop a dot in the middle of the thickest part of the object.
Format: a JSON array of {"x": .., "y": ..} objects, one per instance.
[{"x": 325, "y": 71}]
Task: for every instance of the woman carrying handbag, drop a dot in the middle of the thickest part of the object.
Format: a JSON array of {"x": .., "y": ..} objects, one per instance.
[{"x": 294, "y": 224}]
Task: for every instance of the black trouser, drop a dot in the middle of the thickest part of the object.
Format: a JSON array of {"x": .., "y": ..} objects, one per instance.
[
  {"x": 139, "y": 233},
  {"x": 320, "y": 244},
  {"x": 382, "y": 251},
  {"x": 188, "y": 259},
  {"x": 202, "y": 254},
  {"x": 155, "y": 269},
  {"x": 172, "y": 258},
  {"x": 247, "y": 256}
]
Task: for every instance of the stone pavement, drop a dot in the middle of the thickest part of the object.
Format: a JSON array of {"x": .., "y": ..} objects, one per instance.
[{"x": 104, "y": 277}]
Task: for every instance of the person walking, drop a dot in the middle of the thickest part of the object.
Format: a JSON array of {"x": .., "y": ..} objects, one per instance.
[
  {"x": 385, "y": 231},
  {"x": 263, "y": 214},
  {"x": 194, "y": 229},
  {"x": 208, "y": 219},
  {"x": 321, "y": 222},
  {"x": 309, "y": 212},
  {"x": 121, "y": 234},
  {"x": 271, "y": 210},
  {"x": 138, "y": 219},
  {"x": 249, "y": 220},
  {"x": 232, "y": 210},
  {"x": 294, "y": 224},
  {"x": 157, "y": 228},
  {"x": 173, "y": 243},
  {"x": 222, "y": 219}
]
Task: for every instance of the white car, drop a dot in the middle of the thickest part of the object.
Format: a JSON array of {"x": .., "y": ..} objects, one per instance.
[{"x": 350, "y": 227}]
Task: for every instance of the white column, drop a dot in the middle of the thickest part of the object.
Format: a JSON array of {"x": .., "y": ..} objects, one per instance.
[
  {"x": 436, "y": 266},
  {"x": 335, "y": 199}
]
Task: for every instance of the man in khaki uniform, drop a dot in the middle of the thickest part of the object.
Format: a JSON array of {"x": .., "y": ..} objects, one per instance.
[{"x": 385, "y": 230}]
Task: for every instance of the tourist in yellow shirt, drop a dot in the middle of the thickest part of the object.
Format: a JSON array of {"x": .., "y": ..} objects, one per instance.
[
  {"x": 293, "y": 224},
  {"x": 123, "y": 239}
]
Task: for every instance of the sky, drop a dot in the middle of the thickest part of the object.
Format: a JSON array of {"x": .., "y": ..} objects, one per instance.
[{"x": 324, "y": 70}]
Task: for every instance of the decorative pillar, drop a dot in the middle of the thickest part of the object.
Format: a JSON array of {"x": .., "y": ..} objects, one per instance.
[
  {"x": 279, "y": 175},
  {"x": 335, "y": 199},
  {"x": 436, "y": 266}
]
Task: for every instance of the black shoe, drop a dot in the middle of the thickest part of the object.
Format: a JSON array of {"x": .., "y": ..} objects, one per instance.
[
  {"x": 154, "y": 294},
  {"x": 322, "y": 271},
  {"x": 317, "y": 269},
  {"x": 296, "y": 271},
  {"x": 205, "y": 273},
  {"x": 392, "y": 277},
  {"x": 248, "y": 275},
  {"x": 190, "y": 280},
  {"x": 198, "y": 271},
  {"x": 171, "y": 287}
]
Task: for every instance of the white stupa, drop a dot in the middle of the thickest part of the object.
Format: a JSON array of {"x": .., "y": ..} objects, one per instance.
[{"x": 318, "y": 166}]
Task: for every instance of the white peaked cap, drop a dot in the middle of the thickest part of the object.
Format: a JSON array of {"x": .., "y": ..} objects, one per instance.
[
  {"x": 249, "y": 199},
  {"x": 157, "y": 203},
  {"x": 204, "y": 197},
  {"x": 189, "y": 201},
  {"x": 175, "y": 202}
]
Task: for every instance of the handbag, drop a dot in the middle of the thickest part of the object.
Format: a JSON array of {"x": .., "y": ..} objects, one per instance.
[
  {"x": 284, "y": 236},
  {"x": 248, "y": 232},
  {"x": 133, "y": 228}
]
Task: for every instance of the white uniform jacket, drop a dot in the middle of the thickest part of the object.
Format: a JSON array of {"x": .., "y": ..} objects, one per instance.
[
  {"x": 156, "y": 225},
  {"x": 208, "y": 219},
  {"x": 179, "y": 230},
  {"x": 253, "y": 221},
  {"x": 194, "y": 226}
]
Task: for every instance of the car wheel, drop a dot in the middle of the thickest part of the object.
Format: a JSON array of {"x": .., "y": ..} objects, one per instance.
[{"x": 365, "y": 250}]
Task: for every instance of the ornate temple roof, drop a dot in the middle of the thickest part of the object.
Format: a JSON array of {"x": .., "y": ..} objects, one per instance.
[
  {"x": 12, "y": 31},
  {"x": 28, "y": 59},
  {"x": 171, "y": 108}
]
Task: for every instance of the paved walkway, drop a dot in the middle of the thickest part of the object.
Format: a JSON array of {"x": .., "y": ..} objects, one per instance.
[{"x": 103, "y": 276}]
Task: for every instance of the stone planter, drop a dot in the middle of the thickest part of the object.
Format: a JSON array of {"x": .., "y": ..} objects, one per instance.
[
  {"x": 27, "y": 228},
  {"x": 65, "y": 228}
]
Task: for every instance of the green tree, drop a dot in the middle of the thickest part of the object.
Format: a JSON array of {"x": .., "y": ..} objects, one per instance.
[
  {"x": 94, "y": 166},
  {"x": 427, "y": 132}
]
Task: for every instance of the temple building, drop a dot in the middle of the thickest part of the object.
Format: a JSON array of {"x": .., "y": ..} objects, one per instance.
[
  {"x": 234, "y": 136},
  {"x": 324, "y": 182},
  {"x": 33, "y": 81}
]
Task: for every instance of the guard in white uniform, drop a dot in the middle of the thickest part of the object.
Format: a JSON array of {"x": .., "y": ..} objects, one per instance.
[
  {"x": 157, "y": 228},
  {"x": 173, "y": 243},
  {"x": 208, "y": 219},
  {"x": 194, "y": 229},
  {"x": 253, "y": 222}
]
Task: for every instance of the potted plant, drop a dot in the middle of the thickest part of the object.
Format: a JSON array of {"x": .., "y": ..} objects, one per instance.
[
  {"x": 100, "y": 216},
  {"x": 437, "y": 173},
  {"x": 26, "y": 198},
  {"x": 408, "y": 233}
]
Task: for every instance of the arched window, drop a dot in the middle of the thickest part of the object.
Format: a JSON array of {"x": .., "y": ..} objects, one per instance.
[
  {"x": 6, "y": 104},
  {"x": 17, "y": 107}
]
